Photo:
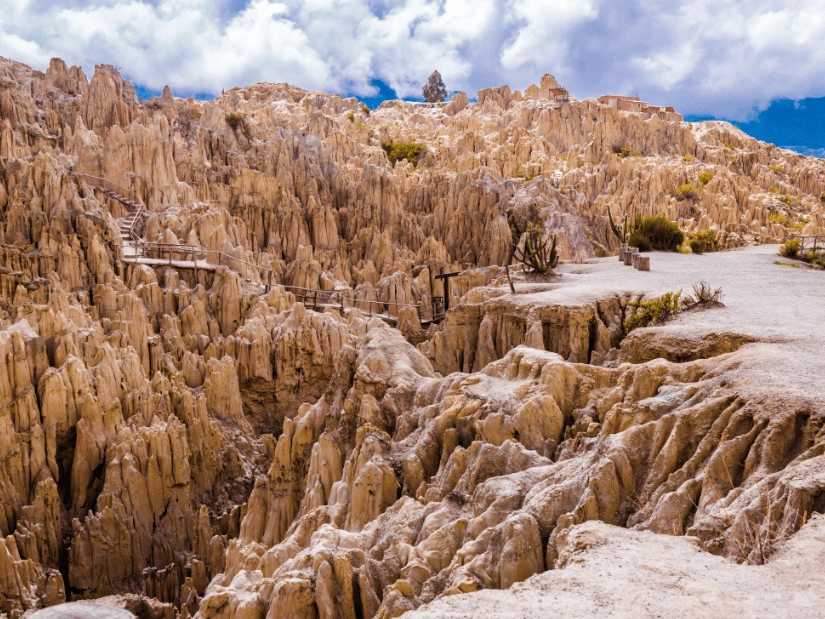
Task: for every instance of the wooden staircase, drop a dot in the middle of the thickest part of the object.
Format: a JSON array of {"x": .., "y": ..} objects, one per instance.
[{"x": 138, "y": 251}]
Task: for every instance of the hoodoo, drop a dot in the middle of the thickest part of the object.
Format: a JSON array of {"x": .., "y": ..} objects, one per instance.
[{"x": 277, "y": 355}]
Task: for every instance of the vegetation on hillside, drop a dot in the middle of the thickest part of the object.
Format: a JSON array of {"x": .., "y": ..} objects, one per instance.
[
  {"x": 648, "y": 233},
  {"x": 658, "y": 310},
  {"x": 403, "y": 150},
  {"x": 703, "y": 241}
]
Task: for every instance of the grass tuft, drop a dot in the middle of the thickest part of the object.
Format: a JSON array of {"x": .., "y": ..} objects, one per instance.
[
  {"x": 658, "y": 310},
  {"x": 654, "y": 311}
]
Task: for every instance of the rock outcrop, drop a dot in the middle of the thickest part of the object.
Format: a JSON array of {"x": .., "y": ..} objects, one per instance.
[{"x": 251, "y": 439}]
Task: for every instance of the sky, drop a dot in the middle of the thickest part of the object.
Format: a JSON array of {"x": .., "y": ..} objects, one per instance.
[{"x": 732, "y": 59}]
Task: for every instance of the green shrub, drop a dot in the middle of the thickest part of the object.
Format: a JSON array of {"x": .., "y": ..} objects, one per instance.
[
  {"x": 778, "y": 218},
  {"x": 639, "y": 240},
  {"x": 822, "y": 198},
  {"x": 657, "y": 233},
  {"x": 403, "y": 150},
  {"x": 687, "y": 158},
  {"x": 791, "y": 248},
  {"x": 686, "y": 192},
  {"x": 705, "y": 177},
  {"x": 653, "y": 311},
  {"x": 812, "y": 255},
  {"x": 777, "y": 168},
  {"x": 366, "y": 110},
  {"x": 703, "y": 241},
  {"x": 351, "y": 117},
  {"x": 660, "y": 309},
  {"x": 773, "y": 189}
]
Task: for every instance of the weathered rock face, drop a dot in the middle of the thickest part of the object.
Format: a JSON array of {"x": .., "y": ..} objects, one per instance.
[
  {"x": 588, "y": 583},
  {"x": 202, "y": 437},
  {"x": 491, "y": 468}
]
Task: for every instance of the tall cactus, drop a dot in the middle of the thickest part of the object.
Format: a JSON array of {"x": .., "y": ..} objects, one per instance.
[{"x": 628, "y": 226}]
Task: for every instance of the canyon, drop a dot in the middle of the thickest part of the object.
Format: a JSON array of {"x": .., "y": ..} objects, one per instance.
[{"x": 192, "y": 434}]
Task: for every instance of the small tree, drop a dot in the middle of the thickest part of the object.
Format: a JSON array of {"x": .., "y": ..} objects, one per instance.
[{"x": 434, "y": 90}]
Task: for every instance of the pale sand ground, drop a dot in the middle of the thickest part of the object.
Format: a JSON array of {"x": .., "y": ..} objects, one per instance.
[
  {"x": 777, "y": 304},
  {"x": 81, "y": 610},
  {"x": 615, "y": 573}
]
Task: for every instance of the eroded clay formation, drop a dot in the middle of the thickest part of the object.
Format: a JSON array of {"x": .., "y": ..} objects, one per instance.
[{"x": 203, "y": 437}]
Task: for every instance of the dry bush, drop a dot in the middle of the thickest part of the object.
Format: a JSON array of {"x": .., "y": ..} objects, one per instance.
[
  {"x": 403, "y": 150},
  {"x": 703, "y": 294}
]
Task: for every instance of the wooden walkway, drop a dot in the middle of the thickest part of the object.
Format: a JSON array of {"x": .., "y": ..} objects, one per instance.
[{"x": 136, "y": 250}]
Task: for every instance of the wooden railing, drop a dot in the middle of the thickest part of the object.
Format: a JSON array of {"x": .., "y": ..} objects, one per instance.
[
  {"x": 101, "y": 179},
  {"x": 313, "y": 298},
  {"x": 810, "y": 241}
]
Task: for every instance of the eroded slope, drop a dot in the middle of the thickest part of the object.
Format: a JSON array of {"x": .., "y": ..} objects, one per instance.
[{"x": 192, "y": 436}]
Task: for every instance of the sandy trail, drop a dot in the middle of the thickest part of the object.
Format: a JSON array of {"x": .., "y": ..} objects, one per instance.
[{"x": 782, "y": 307}]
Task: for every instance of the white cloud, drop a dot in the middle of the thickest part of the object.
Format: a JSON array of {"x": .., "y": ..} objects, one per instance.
[{"x": 723, "y": 57}]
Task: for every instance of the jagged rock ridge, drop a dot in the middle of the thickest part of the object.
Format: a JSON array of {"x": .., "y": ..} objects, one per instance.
[{"x": 224, "y": 450}]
